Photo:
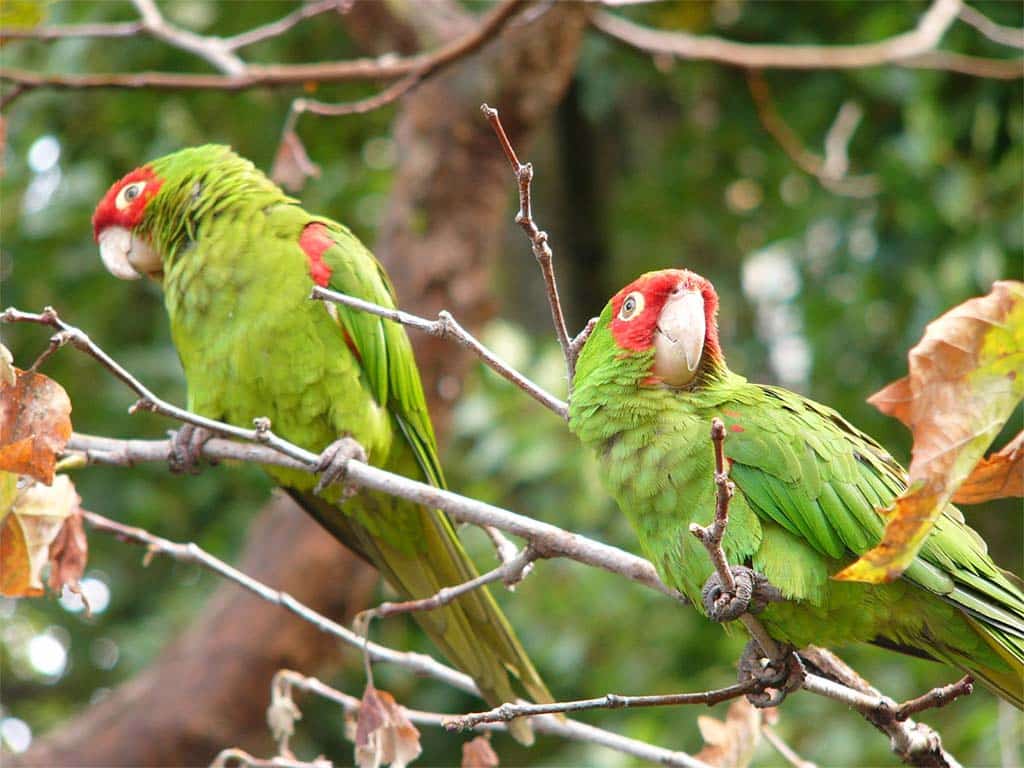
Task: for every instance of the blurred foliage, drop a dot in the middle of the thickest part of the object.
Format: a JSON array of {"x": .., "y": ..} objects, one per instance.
[{"x": 822, "y": 293}]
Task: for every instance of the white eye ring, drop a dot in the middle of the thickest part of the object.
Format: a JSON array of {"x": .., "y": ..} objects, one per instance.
[
  {"x": 631, "y": 306},
  {"x": 128, "y": 194}
]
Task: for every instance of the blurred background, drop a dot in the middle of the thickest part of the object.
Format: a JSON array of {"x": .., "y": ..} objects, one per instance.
[{"x": 642, "y": 162}]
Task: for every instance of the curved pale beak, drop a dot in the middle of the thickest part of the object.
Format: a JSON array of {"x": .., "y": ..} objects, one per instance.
[
  {"x": 679, "y": 338},
  {"x": 127, "y": 256}
]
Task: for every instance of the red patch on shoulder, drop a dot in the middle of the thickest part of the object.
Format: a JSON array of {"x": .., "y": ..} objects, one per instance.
[
  {"x": 736, "y": 428},
  {"x": 731, "y": 414},
  {"x": 107, "y": 214},
  {"x": 314, "y": 241}
]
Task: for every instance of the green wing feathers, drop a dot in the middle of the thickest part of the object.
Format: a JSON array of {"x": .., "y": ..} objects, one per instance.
[
  {"x": 823, "y": 482},
  {"x": 472, "y": 631}
]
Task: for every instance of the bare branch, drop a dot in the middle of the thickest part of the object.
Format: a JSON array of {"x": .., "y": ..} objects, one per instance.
[
  {"x": 279, "y": 75},
  {"x": 509, "y": 711},
  {"x": 831, "y": 170},
  {"x": 997, "y": 33},
  {"x": 212, "y": 49},
  {"x": 447, "y": 327},
  {"x": 784, "y": 749},
  {"x": 936, "y": 697},
  {"x": 915, "y": 743},
  {"x": 282, "y": 25},
  {"x": 554, "y": 726},
  {"x": 547, "y": 540},
  {"x": 47, "y": 34},
  {"x": 537, "y": 237},
  {"x": 914, "y": 49},
  {"x": 510, "y": 571}
]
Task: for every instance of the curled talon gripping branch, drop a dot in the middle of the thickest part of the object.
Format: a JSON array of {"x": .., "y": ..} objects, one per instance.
[{"x": 751, "y": 593}]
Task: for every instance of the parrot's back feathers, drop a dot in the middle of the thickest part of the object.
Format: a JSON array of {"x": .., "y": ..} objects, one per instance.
[{"x": 239, "y": 259}]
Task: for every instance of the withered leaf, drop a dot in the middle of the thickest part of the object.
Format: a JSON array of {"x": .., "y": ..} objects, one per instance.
[
  {"x": 292, "y": 165},
  {"x": 966, "y": 377},
  {"x": 31, "y": 525},
  {"x": 730, "y": 743},
  {"x": 8, "y": 375},
  {"x": 384, "y": 735},
  {"x": 478, "y": 753},
  {"x": 69, "y": 552},
  {"x": 35, "y": 424},
  {"x": 996, "y": 477}
]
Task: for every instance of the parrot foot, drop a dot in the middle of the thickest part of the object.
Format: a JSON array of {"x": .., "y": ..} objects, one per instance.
[
  {"x": 333, "y": 464},
  {"x": 187, "y": 448},
  {"x": 753, "y": 592},
  {"x": 780, "y": 677}
]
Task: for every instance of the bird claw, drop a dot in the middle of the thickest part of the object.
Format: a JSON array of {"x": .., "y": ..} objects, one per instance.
[
  {"x": 779, "y": 678},
  {"x": 187, "y": 448},
  {"x": 333, "y": 464},
  {"x": 753, "y": 592}
]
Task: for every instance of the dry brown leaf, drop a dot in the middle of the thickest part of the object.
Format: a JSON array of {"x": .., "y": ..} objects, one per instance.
[
  {"x": 69, "y": 552},
  {"x": 292, "y": 165},
  {"x": 730, "y": 743},
  {"x": 478, "y": 753},
  {"x": 996, "y": 477},
  {"x": 966, "y": 377},
  {"x": 35, "y": 425},
  {"x": 384, "y": 735},
  {"x": 31, "y": 525}
]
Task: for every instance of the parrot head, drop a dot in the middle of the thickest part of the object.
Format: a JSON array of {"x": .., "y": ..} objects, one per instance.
[
  {"x": 127, "y": 252},
  {"x": 666, "y": 320},
  {"x": 148, "y": 215}
]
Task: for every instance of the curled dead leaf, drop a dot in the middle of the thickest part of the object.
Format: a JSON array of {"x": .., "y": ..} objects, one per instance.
[
  {"x": 966, "y": 376},
  {"x": 35, "y": 424},
  {"x": 996, "y": 477},
  {"x": 478, "y": 753},
  {"x": 384, "y": 735},
  {"x": 730, "y": 743},
  {"x": 8, "y": 373},
  {"x": 32, "y": 525},
  {"x": 292, "y": 165}
]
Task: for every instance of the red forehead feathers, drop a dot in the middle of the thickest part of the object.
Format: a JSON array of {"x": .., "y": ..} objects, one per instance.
[
  {"x": 107, "y": 213},
  {"x": 637, "y": 333}
]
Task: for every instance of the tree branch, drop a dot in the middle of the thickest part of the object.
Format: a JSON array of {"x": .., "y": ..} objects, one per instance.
[
  {"x": 910, "y": 49},
  {"x": 271, "y": 75},
  {"x": 282, "y": 25},
  {"x": 538, "y": 241},
  {"x": 447, "y": 327},
  {"x": 997, "y": 33},
  {"x": 212, "y": 49}
]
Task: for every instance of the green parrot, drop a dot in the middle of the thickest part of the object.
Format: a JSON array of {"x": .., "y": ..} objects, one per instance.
[
  {"x": 237, "y": 259},
  {"x": 809, "y": 490}
]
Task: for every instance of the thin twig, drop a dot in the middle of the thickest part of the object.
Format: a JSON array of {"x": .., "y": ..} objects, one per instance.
[
  {"x": 831, "y": 170},
  {"x": 936, "y": 697},
  {"x": 512, "y": 570},
  {"x": 711, "y": 536},
  {"x": 538, "y": 239},
  {"x": 447, "y": 327},
  {"x": 282, "y": 25},
  {"x": 47, "y": 34},
  {"x": 418, "y": 663},
  {"x": 923, "y": 38},
  {"x": 276, "y": 75},
  {"x": 785, "y": 751},
  {"x": 507, "y": 712},
  {"x": 554, "y": 726},
  {"x": 998, "y": 33}
]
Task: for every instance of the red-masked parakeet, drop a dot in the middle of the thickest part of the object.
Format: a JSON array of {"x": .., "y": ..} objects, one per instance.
[
  {"x": 809, "y": 487},
  {"x": 237, "y": 259}
]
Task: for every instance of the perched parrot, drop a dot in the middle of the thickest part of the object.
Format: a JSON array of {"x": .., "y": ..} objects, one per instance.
[
  {"x": 809, "y": 490},
  {"x": 237, "y": 259}
]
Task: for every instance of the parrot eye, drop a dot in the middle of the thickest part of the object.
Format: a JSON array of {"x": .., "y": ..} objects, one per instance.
[
  {"x": 129, "y": 193},
  {"x": 633, "y": 304}
]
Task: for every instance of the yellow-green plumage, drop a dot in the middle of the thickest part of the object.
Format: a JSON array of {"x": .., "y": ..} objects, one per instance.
[
  {"x": 809, "y": 490},
  {"x": 252, "y": 343}
]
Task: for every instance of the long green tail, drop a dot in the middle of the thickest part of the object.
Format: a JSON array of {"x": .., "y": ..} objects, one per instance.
[{"x": 472, "y": 631}]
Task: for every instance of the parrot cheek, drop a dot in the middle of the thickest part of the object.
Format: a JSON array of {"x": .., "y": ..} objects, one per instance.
[{"x": 126, "y": 256}]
